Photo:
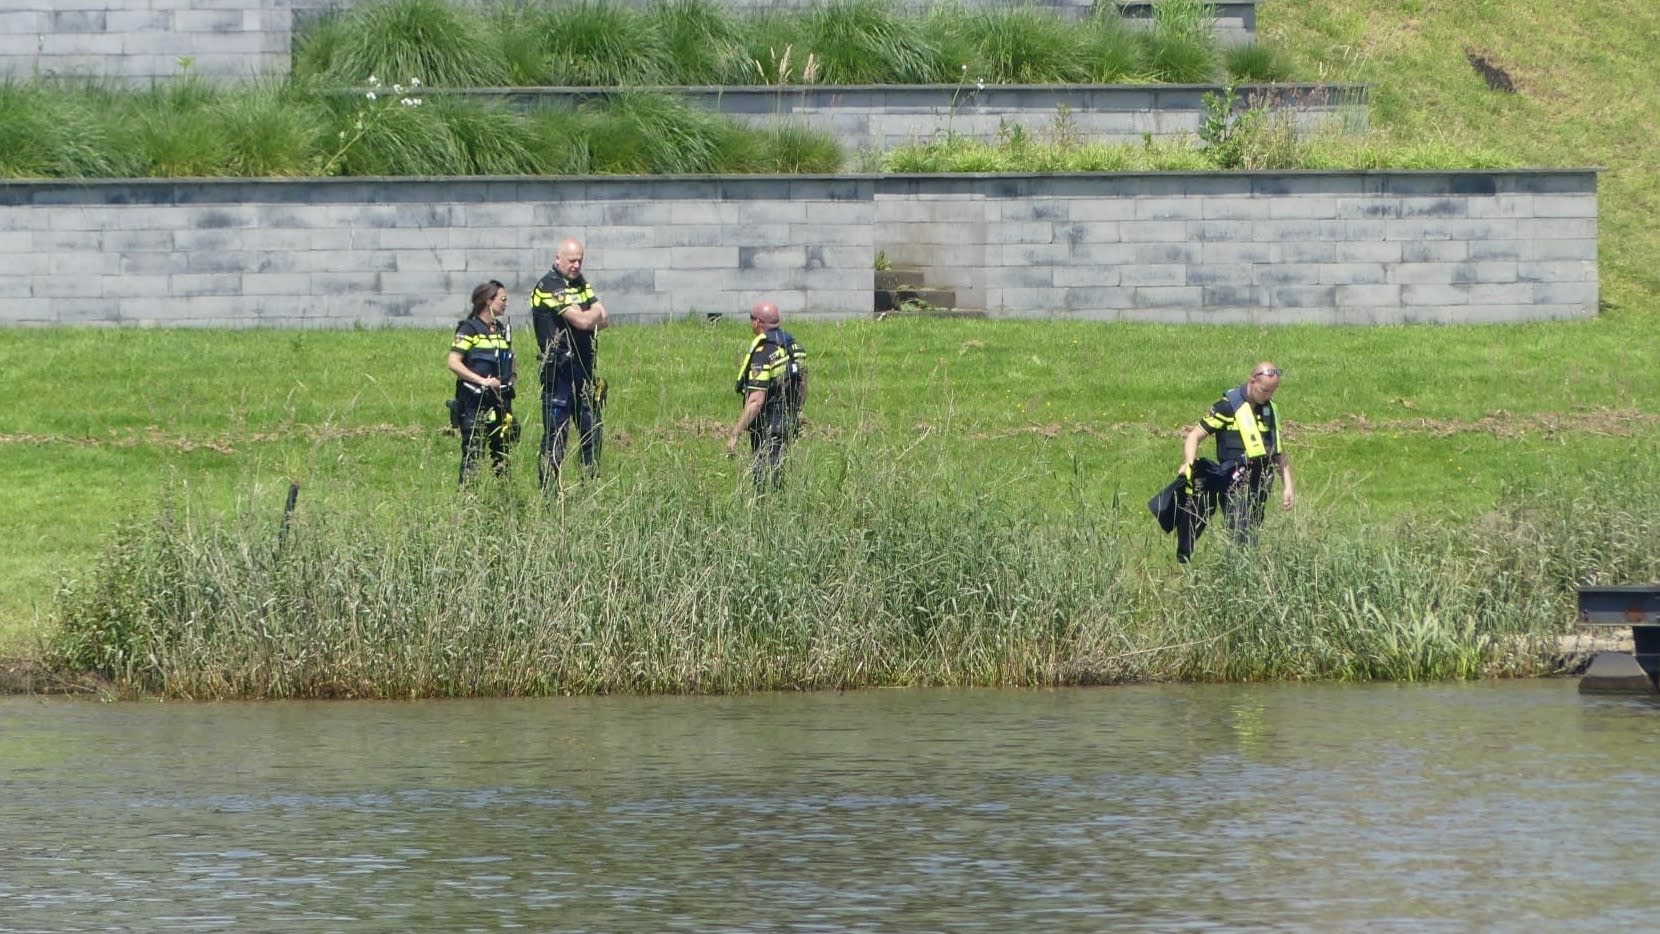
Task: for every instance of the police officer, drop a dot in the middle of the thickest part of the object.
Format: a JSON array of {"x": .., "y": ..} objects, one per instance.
[
  {"x": 481, "y": 357},
  {"x": 568, "y": 318},
  {"x": 772, "y": 379},
  {"x": 1249, "y": 453}
]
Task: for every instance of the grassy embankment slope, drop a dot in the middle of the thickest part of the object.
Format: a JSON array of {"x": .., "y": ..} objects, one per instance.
[{"x": 1390, "y": 421}]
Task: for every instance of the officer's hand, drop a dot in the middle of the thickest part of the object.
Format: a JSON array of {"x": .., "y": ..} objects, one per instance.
[
  {"x": 1287, "y": 499},
  {"x": 490, "y": 382},
  {"x": 731, "y": 447},
  {"x": 1185, "y": 469}
]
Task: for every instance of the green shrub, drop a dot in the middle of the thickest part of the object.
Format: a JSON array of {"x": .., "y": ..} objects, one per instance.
[
  {"x": 704, "y": 44},
  {"x": 440, "y": 43},
  {"x": 597, "y": 43}
]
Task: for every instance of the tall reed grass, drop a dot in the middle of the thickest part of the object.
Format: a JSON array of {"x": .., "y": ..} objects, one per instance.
[
  {"x": 293, "y": 128},
  {"x": 864, "y": 574},
  {"x": 699, "y": 42}
]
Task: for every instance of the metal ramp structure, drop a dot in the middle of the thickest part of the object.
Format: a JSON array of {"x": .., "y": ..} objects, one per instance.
[{"x": 1634, "y": 605}]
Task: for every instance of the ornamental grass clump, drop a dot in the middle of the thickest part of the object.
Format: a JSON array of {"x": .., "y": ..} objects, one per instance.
[
  {"x": 55, "y": 131},
  {"x": 448, "y": 45}
]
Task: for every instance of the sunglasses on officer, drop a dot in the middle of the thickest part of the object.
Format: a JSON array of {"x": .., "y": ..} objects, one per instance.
[{"x": 1266, "y": 371}]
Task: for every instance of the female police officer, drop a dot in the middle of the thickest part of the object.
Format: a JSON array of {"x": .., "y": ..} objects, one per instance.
[{"x": 481, "y": 357}]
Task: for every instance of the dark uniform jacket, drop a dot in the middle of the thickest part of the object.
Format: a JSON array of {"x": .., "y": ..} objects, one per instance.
[
  {"x": 1222, "y": 422},
  {"x": 776, "y": 364},
  {"x": 563, "y": 349},
  {"x": 485, "y": 350}
]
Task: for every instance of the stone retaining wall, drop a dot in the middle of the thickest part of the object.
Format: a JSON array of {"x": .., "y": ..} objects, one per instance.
[
  {"x": 883, "y": 117},
  {"x": 139, "y": 41},
  {"x": 1271, "y": 248}
]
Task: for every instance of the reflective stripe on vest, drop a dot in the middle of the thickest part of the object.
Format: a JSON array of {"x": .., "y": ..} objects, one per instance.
[{"x": 1245, "y": 423}]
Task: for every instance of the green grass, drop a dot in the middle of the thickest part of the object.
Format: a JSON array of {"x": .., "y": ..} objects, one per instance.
[
  {"x": 697, "y": 42},
  {"x": 190, "y": 129},
  {"x": 1064, "y": 417}
]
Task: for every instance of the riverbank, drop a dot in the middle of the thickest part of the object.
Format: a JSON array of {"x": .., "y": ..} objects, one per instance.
[{"x": 965, "y": 508}]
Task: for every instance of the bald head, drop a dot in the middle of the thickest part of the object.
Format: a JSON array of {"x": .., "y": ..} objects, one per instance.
[
  {"x": 1265, "y": 378},
  {"x": 568, "y": 258},
  {"x": 765, "y": 315}
]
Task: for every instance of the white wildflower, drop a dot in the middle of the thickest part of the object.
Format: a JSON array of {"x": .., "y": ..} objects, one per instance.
[
  {"x": 397, "y": 89},
  {"x": 374, "y": 82},
  {"x": 414, "y": 82},
  {"x": 370, "y": 95}
]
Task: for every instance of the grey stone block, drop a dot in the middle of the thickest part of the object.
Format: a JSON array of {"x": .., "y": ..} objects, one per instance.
[
  {"x": 1102, "y": 209},
  {"x": 1222, "y": 274},
  {"x": 1217, "y": 254},
  {"x": 185, "y": 285},
  {"x": 206, "y": 262},
  {"x": 1154, "y": 296},
  {"x": 1557, "y": 271},
  {"x": 1028, "y": 232},
  {"x": 1303, "y": 296},
  {"x": 290, "y": 284},
  {"x": 1288, "y": 273},
  {"x": 1075, "y": 277},
  {"x": 1307, "y": 252},
  {"x": 1422, "y": 273},
  {"x": 1576, "y": 249},
  {"x": 1084, "y": 234},
  {"x": 787, "y": 257},
  {"x": 1306, "y": 231},
  {"x": 1564, "y": 206},
  {"x": 1496, "y": 250},
  {"x": 1221, "y": 231},
  {"x": 1434, "y": 294},
  {"x": 1222, "y": 296},
  {"x": 1168, "y": 209},
  {"x": 1241, "y": 207},
  {"x": 1309, "y": 208},
  {"x": 1153, "y": 232},
  {"x": 1158, "y": 254},
  {"x": 1352, "y": 274},
  {"x": 1364, "y": 296},
  {"x": 1565, "y": 293},
  {"x": 1018, "y": 256},
  {"x": 1367, "y": 251},
  {"x": 66, "y": 241},
  {"x": 1170, "y": 275},
  {"x": 1435, "y": 251}
]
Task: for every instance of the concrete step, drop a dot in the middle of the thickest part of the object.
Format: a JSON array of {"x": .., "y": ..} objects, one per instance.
[
  {"x": 893, "y": 299},
  {"x": 900, "y": 277}
]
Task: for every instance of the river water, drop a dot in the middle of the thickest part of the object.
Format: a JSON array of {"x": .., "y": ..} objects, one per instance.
[{"x": 1510, "y": 806}]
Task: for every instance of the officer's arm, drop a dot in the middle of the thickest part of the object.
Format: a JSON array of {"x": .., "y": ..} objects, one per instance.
[
  {"x": 1190, "y": 446},
  {"x": 752, "y": 409},
  {"x": 542, "y": 319},
  {"x": 459, "y": 368},
  {"x": 591, "y": 318}
]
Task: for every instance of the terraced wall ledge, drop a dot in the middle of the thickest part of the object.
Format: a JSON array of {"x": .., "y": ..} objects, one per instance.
[
  {"x": 885, "y": 116},
  {"x": 1262, "y": 248}
]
